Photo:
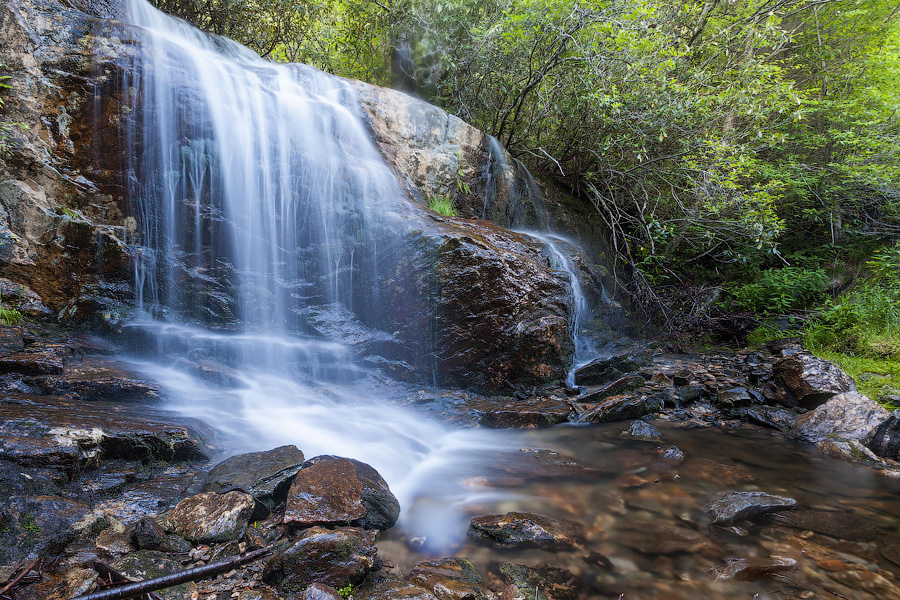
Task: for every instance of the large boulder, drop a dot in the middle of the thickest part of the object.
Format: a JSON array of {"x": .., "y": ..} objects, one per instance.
[
  {"x": 884, "y": 440},
  {"x": 211, "y": 518},
  {"x": 334, "y": 490},
  {"x": 810, "y": 381},
  {"x": 849, "y": 416}
]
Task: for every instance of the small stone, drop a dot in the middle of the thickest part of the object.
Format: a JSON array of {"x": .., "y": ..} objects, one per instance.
[
  {"x": 641, "y": 430},
  {"x": 751, "y": 569},
  {"x": 320, "y": 591},
  {"x": 519, "y": 530},
  {"x": 448, "y": 579},
  {"x": 670, "y": 453},
  {"x": 543, "y": 581},
  {"x": 739, "y": 506}
]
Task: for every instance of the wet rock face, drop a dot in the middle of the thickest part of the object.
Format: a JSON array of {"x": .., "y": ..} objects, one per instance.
[
  {"x": 147, "y": 564},
  {"x": 496, "y": 312},
  {"x": 884, "y": 440},
  {"x": 849, "y": 416},
  {"x": 387, "y": 588},
  {"x": 530, "y": 412},
  {"x": 335, "y": 558},
  {"x": 741, "y": 506},
  {"x": 606, "y": 370},
  {"x": 264, "y": 475},
  {"x": 41, "y": 525},
  {"x": 58, "y": 197},
  {"x": 449, "y": 579},
  {"x": 211, "y": 518},
  {"x": 810, "y": 381},
  {"x": 524, "y": 530},
  {"x": 333, "y": 490}
]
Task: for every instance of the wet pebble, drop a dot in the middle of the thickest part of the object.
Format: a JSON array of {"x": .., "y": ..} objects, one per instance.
[{"x": 738, "y": 506}]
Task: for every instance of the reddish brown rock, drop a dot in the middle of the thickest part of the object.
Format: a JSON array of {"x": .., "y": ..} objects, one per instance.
[
  {"x": 327, "y": 492},
  {"x": 811, "y": 381}
]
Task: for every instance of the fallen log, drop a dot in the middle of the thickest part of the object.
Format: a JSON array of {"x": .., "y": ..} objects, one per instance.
[{"x": 132, "y": 590}]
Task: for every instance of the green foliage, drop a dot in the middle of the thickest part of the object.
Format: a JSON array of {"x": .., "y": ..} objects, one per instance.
[
  {"x": 10, "y": 316},
  {"x": 442, "y": 204},
  {"x": 346, "y": 591},
  {"x": 29, "y": 524},
  {"x": 766, "y": 333},
  {"x": 5, "y": 128},
  {"x": 874, "y": 377},
  {"x": 782, "y": 290}
]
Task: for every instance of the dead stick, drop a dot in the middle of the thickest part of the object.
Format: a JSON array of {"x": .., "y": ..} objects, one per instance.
[
  {"x": 142, "y": 587},
  {"x": 20, "y": 576}
]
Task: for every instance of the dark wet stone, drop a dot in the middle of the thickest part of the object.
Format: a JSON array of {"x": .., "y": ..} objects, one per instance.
[
  {"x": 641, "y": 430},
  {"x": 781, "y": 419},
  {"x": 210, "y": 518},
  {"x": 623, "y": 385},
  {"x": 381, "y": 506},
  {"x": 752, "y": 568},
  {"x": 320, "y": 591},
  {"x": 889, "y": 548},
  {"x": 519, "y": 530},
  {"x": 148, "y": 564},
  {"x": 810, "y": 381},
  {"x": 604, "y": 370},
  {"x": 40, "y": 525},
  {"x": 264, "y": 475},
  {"x": 669, "y": 453},
  {"x": 449, "y": 579},
  {"x": 837, "y": 524},
  {"x": 210, "y": 371},
  {"x": 543, "y": 581},
  {"x": 734, "y": 398},
  {"x": 380, "y": 587},
  {"x": 690, "y": 393},
  {"x": 332, "y": 557},
  {"x": 530, "y": 412},
  {"x": 619, "y": 408},
  {"x": 148, "y": 534},
  {"x": 884, "y": 440},
  {"x": 658, "y": 536},
  {"x": 849, "y": 416},
  {"x": 740, "y": 506}
]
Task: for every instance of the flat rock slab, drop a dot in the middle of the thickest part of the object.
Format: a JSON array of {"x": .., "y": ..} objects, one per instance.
[
  {"x": 620, "y": 408},
  {"x": 211, "y": 518},
  {"x": 334, "y": 557},
  {"x": 658, "y": 536},
  {"x": 741, "y": 506},
  {"x": 753, "y": 568},
  {"x": 604, "y": 370},
  {"x": 263, "y": 475},
  {"x": 57, "y": 431},
  {"x": 775, "y": 417},
  {"x": 523, "y": 530},
  {"x": 98, "y": 378},
  {"x": 848, "y": 416},
  {"x": 386, "y": 588},
  {"x": 837, "y": 524},
  {"x": 622, "y": 385},
  {"x": 448, "y": 579},
  {"x": 147, "y": 564},
  {"x": 513, "y": 414}
]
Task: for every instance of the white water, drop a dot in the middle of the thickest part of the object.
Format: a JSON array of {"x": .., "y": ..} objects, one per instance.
[{"x": 258, "y": 194}]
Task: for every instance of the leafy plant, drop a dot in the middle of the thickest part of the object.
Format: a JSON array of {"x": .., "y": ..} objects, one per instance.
[
  {"x": 442, "y": 204},
  {"x": 10, "y": 316},
  {"x": 346, "y": 591},
  {"x": 783, "y": 290}
]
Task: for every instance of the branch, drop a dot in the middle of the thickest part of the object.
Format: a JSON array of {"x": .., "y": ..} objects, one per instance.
[{"x": 133, "y": 590}]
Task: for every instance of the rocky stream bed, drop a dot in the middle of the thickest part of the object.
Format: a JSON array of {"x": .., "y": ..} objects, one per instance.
[{"x": 712, "y": 476}]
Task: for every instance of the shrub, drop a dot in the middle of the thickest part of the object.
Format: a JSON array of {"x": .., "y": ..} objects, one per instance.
[{"x": 783, "y": 290}]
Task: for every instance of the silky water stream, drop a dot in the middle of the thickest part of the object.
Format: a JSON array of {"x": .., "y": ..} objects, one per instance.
[{"x": 259, "y": 198}]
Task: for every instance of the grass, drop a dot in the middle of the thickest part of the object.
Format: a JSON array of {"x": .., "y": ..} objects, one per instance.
[
  {"x": 874, "y": 377},
  {"x": 442, "y": 204}
]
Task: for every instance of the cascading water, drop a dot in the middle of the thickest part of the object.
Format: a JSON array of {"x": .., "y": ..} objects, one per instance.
[{"x": 261, "y": 201}]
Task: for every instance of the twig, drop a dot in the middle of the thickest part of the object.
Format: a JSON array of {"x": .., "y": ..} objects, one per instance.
[
  {"x": 20, "y": 576},
  {"x": 132, "y": 590}
]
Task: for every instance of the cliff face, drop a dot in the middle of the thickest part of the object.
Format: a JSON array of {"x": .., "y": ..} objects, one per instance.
[{"x": 481, "y": 306}]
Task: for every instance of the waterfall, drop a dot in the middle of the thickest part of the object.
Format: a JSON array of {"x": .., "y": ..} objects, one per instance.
[{"x": 266, "y": 215}]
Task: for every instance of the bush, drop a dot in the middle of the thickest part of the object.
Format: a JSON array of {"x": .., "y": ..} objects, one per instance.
[{"x": 783, "y": 290}]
